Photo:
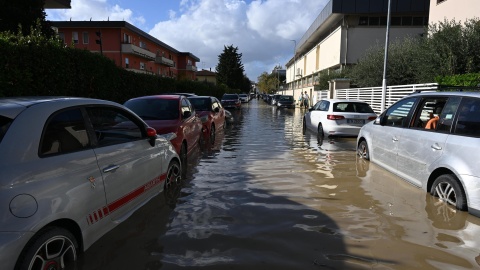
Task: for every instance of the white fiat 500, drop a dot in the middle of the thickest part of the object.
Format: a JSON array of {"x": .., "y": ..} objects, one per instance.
[
  {"x": 338, "y": 117},
  {"x": 71, "y": 169},
  {"x": 431, "y": 140}
]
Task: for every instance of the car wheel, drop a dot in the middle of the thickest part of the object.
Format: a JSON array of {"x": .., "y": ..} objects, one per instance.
[
  {"x": 212, "y": 134},
  {"x": 447, "y": 188},
  {"x": 172, "y": 180},
  {"x": 320, "y": 129},
  {"x": 183, "y": 155},
  {"x": 51, "y": 248},
  {"x": 363, "y": 151}
]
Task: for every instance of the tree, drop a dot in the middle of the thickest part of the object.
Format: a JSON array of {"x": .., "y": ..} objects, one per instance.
[
  {"x": 24, "y": 15},
  {"x": 230, "y": 69},
  {"x": 403, "y": 56},
  {"x": 267, "y": 83}
]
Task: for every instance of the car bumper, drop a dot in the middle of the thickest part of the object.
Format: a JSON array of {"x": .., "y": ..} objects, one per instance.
[
  {"x": 11, "y": 246},
  {"x": 341, "y": 130}
]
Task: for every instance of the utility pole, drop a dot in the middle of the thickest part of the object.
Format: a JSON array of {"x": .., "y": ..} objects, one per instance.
[
  {"x": 294, "y": 67},
  {"x": 385, "y": 59}
]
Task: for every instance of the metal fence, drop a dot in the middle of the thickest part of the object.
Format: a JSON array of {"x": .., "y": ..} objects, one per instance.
[{"x": 373, "y": 95}]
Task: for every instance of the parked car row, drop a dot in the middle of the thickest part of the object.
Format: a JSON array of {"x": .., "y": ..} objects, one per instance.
[
  {"x": 428, "y": 139},
  {"x": 280, "y": 101},
  {"x": 74, "y": 168}
]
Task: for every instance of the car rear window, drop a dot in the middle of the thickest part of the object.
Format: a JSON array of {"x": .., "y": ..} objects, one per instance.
[
  {"x": 230, "y": 97},
  {"x": 200, "y": 104},
  {"x": 5, "y": 123},
  {"x": 354, "y": 107},
  {"x": 154, "y": 109}
]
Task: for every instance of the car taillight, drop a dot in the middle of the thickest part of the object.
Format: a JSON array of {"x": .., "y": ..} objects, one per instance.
[
  {"x": 335, "y": 117},
  {"x": 371, "y": 118}
]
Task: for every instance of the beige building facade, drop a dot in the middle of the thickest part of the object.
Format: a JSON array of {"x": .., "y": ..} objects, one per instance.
[
  {"x": 343, "y": 32},
  {"x": 458, "y": 10}
]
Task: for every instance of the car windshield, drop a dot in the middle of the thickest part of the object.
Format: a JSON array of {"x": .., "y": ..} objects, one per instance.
[
  {"x": 4, "y": 125},
  {"x": 286, "y": 98},
  {"x": 154, "y": 109},
  {"x": 227, "y": 96},
  {"x": 354, "y": 107},
  {"x": 201, "y": 104}
]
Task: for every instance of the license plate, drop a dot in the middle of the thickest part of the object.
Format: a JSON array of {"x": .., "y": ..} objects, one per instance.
[{"x": 356, "y": 121}]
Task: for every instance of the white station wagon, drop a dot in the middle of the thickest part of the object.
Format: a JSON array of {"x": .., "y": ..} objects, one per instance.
[
  {"x": 71, "y": 169},
  {"x": 432, "y": 140}
]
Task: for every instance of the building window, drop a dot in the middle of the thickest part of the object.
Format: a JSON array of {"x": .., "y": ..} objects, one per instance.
[
  {"x": 363, "y": 21},
  {"x": 61, "y": 36},
  {"x": 142, "y": 66},
  {"x": 126, "y": 63},
  {"x": 85, "y": 37},
  {"x": 143, "y": 45},
  {"x": 127, "y": 39},
  {"x": 75, "y": 37}
]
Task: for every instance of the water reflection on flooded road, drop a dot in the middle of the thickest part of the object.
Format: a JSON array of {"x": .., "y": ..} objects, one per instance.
[{"x": 266, "y": 196}]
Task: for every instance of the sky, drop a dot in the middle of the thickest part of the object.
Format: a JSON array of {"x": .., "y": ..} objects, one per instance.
[{"x": 262, "y": 30}]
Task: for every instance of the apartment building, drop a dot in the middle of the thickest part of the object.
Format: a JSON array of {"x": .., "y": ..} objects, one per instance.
[
  {"x": 458, "y": 10},
  {"x": 129, "y": 47},
  {"x": 342, "y": 33}
]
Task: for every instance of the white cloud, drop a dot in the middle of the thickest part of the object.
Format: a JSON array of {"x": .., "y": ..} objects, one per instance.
[
  {"x": 261, "y": 30},
  {"x": 95, "y": 10}
]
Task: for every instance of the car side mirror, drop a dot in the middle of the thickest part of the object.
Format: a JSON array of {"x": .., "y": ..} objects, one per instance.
[
  {"x": 187, "y": 114},
  {"x": 152, "y": 135}
]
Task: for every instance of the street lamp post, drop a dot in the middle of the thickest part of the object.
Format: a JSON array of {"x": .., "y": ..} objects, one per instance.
[
  {"x": 384, "y": 81},
  {"x": 294, "y": 67}
]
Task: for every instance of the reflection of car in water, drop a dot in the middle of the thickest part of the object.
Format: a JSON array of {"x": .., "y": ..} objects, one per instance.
[{"x": 440, "y": 225}]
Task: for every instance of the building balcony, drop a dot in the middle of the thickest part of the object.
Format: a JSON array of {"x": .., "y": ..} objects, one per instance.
[
  {"x": 191, "y": 68},
  {"x": 130, "y": 48},
  {"x": 164, "y": 61}
]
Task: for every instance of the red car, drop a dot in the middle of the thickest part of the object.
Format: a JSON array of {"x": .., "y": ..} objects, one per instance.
[
  {"x": 211, "y": 113},
  {"x": 167, "y": 114},
  {"x": 231, "y": 101}
]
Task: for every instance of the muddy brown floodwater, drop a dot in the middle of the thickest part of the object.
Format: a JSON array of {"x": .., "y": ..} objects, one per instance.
[{"x": 267, "y": 196}]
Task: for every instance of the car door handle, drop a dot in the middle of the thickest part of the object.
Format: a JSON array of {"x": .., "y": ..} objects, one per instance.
[
  {"x": 436, "y": 147},
  {"x": 395, "y": 139},
  {"x": 111, "y": 168}
]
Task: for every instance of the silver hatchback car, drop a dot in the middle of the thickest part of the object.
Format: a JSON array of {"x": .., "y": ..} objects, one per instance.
[
  {"x": 432, "y": 140},
  {"x": 71, "y": 169}
]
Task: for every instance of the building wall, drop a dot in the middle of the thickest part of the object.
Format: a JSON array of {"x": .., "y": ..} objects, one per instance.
[
  {"x": 459, "y": 10},
  {"x": 360, "y": 39},
  {"x": 128, "y": 47}
]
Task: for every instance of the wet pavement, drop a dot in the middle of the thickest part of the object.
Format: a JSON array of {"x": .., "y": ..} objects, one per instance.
[{"x": 267, "y": 196}]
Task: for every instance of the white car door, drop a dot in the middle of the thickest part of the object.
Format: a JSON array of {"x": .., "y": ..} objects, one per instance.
[
  {"x": 132, "y": 168},
  {"x": 420, "y": 146},
  {"x": 317, "y": 114},
  {"x": 387, "y": 134}
]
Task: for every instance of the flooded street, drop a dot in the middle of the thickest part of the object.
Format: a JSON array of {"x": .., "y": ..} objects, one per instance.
[{"x": 267, "y": 196}]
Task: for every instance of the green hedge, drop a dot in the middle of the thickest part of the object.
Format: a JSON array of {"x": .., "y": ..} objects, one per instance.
[{"x": 34, "y": 66}]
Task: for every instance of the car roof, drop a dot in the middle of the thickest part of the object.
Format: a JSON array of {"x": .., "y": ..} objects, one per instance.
[
  {"x": 159, "y": 97},
  {"x": 12, "y": 106},
  {"x": 345, "y": 100},
  {"x": 447, "y": 93}
]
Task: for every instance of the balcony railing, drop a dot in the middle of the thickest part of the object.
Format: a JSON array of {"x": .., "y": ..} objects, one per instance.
[
  {"x": 191, "y": 68},
  {"x": 130, "y": 48},
  {"x": 164, "y": 61}
]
